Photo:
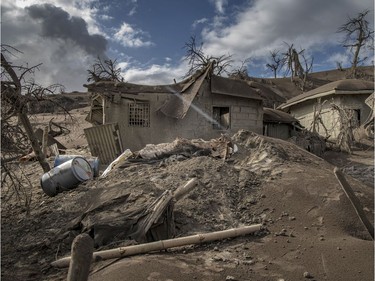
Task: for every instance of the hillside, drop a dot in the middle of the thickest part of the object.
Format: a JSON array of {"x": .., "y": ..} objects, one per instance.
[{"x": 288, "y": 89}]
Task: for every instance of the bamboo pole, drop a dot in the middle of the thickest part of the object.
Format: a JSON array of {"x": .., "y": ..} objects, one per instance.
[
  {"x": 181, "y": 191},
  {"x": 164, "y": 244}
]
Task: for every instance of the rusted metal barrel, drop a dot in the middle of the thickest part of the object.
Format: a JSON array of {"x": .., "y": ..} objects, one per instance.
[
  {"x": 93, "y": 161},
  {"x": 66, "y": 176}
]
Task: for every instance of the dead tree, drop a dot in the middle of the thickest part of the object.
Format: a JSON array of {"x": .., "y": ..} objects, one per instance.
[
  {"x": 358, "y": 34},
  {"x": 307, "y": 70},
  {"x": 292, "y": 62},
  {"x": 11, "y": 90},
  {"x": 106, "y": 70},
  {"x": 317, "y": 119},
  {"x": 241, "y": 72},
  {"x": 277, "y": 61},
  {"x": 345, "y": 139},
  {"x": 198, "y": 60}
]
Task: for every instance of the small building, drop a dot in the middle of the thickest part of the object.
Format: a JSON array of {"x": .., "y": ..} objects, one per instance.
[
  {"x": 315, "y": 109},
  {"x": 279, "y": 124},
  {"x": 129, "y": 116}
]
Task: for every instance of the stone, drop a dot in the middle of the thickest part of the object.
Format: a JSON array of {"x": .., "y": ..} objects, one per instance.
[{"x": 307, "y": 274}]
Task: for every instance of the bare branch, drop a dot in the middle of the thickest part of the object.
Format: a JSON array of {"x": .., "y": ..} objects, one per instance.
[
  {"x": 106, "y": 70},
  {"x": 198, "y": 60},
  {"x": 358, "y": 34}
]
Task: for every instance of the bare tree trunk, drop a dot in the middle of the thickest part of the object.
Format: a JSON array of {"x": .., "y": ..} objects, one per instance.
[
  {"x": 355, "y": 58},
  {"x": 15, "y": 97},
  {"x": 34, "y": 141}
]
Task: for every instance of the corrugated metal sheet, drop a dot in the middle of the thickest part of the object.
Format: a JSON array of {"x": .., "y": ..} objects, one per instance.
[
  {"x": 104, "y": 142},
  {"x": 280, "y": 131}
]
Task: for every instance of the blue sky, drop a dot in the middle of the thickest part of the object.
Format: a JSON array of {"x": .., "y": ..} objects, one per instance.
[{"x": 147, "y": 37}]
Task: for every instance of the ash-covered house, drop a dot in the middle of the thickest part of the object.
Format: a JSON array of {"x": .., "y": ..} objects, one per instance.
[
  {"x": 129, "y": 116},
  {"x": 316, "y": 105}
]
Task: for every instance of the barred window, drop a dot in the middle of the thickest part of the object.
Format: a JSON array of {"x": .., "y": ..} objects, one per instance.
[{"x": 139, "y": 114}]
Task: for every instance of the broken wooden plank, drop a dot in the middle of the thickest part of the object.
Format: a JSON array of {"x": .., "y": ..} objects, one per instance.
[
  {"x": 164, "y": 244},
  {"x": 354, "y": 200},
  {"x": 51, "y": 140}
]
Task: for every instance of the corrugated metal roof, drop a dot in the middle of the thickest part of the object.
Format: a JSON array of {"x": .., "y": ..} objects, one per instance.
[
  {"x": 353, "y": 86},
  {"x": 104, "y": 142}
]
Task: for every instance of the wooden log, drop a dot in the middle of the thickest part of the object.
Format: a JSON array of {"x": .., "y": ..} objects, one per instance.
[
  {"x": 82, "y": 250},
  {"x": 354, "y": 200},
  {"x": 164, "y": 244}
]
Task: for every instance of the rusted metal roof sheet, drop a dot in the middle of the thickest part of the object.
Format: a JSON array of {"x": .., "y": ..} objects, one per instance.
[
  {"x": 178, "y": 104},
  {"x": 104, "y": 142}
]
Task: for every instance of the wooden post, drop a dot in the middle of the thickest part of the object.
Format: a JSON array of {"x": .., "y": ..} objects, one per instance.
[
  {"x": 164, "y": 244},
  {"x": 45, "y": 140},
  {"x": 82, "y": 249}
]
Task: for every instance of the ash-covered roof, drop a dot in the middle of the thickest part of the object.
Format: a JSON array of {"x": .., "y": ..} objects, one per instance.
[
  {"x": 277, "y": 116},
  {"x": 347, "y": 86},
  {"x": 233, "y": 87}
]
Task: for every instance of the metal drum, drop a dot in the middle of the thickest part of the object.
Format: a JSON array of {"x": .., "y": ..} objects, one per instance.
[
  {"x": 93, "y": 161},
  {"x": 66, "y": 176}
]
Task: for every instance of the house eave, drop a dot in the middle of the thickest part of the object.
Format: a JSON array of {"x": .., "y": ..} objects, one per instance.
[{"x": 324, "y": 94}]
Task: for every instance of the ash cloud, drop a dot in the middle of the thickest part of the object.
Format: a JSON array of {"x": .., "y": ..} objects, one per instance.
[{"x": 57, "y": 23}]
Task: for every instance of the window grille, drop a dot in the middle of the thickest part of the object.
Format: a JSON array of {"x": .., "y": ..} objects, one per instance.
[{"x": 139, "y": 114}]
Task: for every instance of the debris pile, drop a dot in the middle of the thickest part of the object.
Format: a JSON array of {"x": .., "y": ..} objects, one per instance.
[{"x": 142, "y": 184}]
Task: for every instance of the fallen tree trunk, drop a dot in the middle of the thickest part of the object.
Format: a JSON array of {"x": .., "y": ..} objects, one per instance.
[{"x": 164, "y": 244}]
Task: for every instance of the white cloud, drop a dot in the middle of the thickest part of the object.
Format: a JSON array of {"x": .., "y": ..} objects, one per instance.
[
  {"x": 86, "y": 9},
  {"x": 264, "y": 25},
  {"x": 343, "y": 58},
  {"x": 65, "y": 48},
  {"x": 220, "y": 5},
  {"x": 198, "y": 22},
  {"x": 132, "y": 11},
  {"x": 128, "y": 36},
  {"x": 105, "y": 17},
  {"x": 155, "y": 74}
]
